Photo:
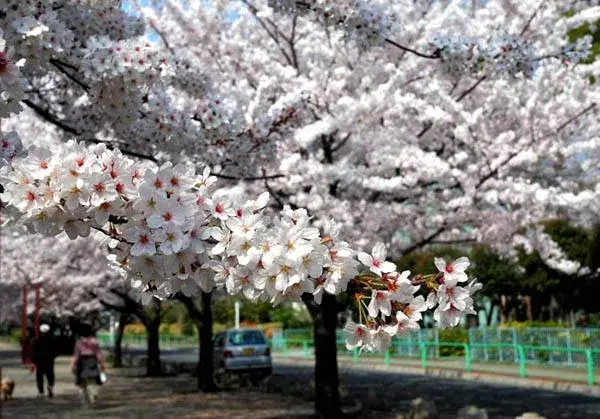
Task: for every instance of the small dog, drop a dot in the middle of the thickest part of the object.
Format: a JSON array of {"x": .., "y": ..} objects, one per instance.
[{"x": 6, "y": 388}]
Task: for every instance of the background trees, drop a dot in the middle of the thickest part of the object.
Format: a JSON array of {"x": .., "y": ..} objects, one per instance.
[{"x": 401, "y": 145}]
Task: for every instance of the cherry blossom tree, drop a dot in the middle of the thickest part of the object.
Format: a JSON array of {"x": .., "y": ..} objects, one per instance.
[
  {"x": 66, "y": 269},
  {"x": 372, "y": 113},
  {"x": 396, "y": 126}
]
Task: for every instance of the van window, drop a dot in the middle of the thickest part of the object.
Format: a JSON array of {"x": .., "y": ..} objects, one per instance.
[{"x": 246, "y": 337}]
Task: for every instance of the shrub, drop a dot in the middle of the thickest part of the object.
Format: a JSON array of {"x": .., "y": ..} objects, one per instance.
[{"x": 453, "y": 335}]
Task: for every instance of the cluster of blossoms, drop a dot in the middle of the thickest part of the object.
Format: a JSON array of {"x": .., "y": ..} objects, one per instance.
[
  {"x": 10, "y": 147},
  {"x": 367, "y": 22},
  {"x": 120, "y": 75},
  {"x": 578, "y": 51},
  {"x": 11, "y": 86},
  {"x": 171, "y": 231},
  {"x": 496, "y": 57},
  {"x": 394, "y": 308},
  {"x": 210, "y": 114},
  {"x": 43, "y": 28}
]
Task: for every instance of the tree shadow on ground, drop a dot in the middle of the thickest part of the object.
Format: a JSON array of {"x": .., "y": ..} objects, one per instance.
[{"x": 130, "y": 395}]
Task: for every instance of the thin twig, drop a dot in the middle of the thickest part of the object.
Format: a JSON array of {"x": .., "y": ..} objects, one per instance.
[
  {"x": 534, "y": 14},
  {"x": 74, "y": 79},
  {"x": 163, "y": 38},
  {"x": 470, "y": 89},
  {"x": 423, "y": 242},
  {"x": 272, "y": 193},
  {"x": 583, "y": 112},
  {"x": 264, "y": 177}
]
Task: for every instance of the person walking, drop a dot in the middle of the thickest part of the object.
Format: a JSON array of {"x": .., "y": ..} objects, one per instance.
[
  {"x": 43, "y": 355},
  {"x": 87, "y": 364}
]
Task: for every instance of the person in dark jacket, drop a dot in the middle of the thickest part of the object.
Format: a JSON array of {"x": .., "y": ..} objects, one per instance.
[{"x": 44, "y": 353}]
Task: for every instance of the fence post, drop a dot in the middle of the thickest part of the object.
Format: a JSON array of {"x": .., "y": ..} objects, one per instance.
[
  {"x": 515, "y": 340},
  {"x": 467, "y": 357},
  {"x": 424, "y": 355},
  {"x": 499, "y": 337},
  {"x": 305, "y": 347},
  {"x": 522, "y": 368},
  {"x": 486, "y": 355},
  {"x": 549, "y": 343},
  {"x": 386, "y": 358},
  {"x": 590, "y": 367},
  {"x": 569, "y": 354}
]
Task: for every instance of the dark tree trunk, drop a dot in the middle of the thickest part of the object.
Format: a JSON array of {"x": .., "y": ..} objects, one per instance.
[
  {"x": 153, "y": 367},
  {"x": 206, "y": 376},
  {"x": 327, "y": 395},
  {"x": 118, "y": 349},
  {"x": 204, "y": 324},
  {"x": 527, "y": 300}
]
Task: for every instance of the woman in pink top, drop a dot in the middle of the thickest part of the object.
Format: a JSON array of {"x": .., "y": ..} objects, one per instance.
[{"x": 87, "y": 364}]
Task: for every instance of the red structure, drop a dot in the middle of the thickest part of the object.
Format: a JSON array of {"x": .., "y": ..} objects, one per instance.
[
  {"x": 25, "y": 341},
  {"x": 26, "y": 348},
  {"x": 24, "y": 313},
  {"x": 37, "y": 310}
]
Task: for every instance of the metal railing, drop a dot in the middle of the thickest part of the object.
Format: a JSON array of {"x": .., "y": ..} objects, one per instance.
[
  {"x": 166, "y": 341},
  {"x": 304, "y": 348},
  {"x": 427, "y": 351}
]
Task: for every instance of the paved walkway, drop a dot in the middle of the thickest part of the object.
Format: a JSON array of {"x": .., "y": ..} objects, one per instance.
[{"x": 128, "y": 394}]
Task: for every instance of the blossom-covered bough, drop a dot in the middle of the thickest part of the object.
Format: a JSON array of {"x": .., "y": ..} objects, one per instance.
[
  {"x": 439, "y": 126},
  {"x": 169, "y": 230}
]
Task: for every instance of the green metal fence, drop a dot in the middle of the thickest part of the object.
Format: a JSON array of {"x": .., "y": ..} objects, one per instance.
[
  {"x": 572, "y": 343},
  {"x": 503, "y": 346},
  {"x": 166, "y": 341},
  {"x": 305, "y": 348}
]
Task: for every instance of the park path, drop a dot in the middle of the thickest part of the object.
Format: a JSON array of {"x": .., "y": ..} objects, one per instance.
[{"x": 128, "y": 394}]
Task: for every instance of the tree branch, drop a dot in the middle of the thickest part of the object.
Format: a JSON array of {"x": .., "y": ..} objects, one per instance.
[
  {"x": 163, "y": 38},
  {"x": 533, "y": 15},
  {"x": 264, "y": 177},
  {"x": 273, "y": 194},
  {"x": 423, "y": 242},
  {"x": 470, "y": 89},
  {"x": 583, "y": 112},
  {"x": 67, "y": 128},
  {"x": 59, "y": 66},
  {"x": 254, "y": 11},
  {"x": 436, "y": 55},
  {"x": 49, "y": 117}
]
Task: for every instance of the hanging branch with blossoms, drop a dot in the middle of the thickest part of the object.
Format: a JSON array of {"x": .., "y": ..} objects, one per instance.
[
  {"x": 170, "y": 231},
  {"x": 375, "y": 23}
]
